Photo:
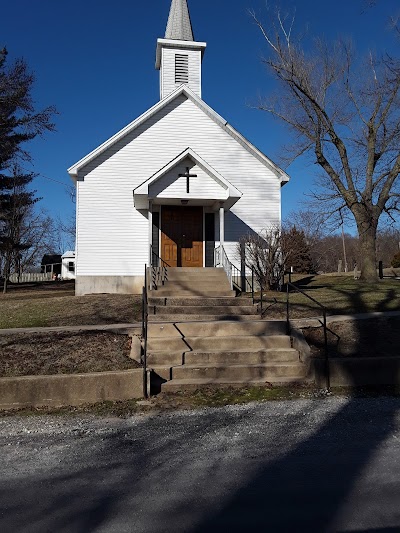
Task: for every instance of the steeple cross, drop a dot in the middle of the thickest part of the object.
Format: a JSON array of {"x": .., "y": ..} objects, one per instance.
[{"x": 187, "y": 175}]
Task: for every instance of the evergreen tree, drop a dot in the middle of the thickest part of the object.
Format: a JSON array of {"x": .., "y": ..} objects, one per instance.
[
  {"x": 16, "y": 201},
  {"x": 19, "y": 123},
  {"x": 297, "y": 251}
]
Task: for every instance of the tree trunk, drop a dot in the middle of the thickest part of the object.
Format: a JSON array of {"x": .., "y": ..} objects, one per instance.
[
  {"x": 367, "y": 236},
  {"x": 6, "y": 272}
]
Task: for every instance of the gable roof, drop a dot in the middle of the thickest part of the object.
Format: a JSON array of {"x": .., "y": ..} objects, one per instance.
[
  {"x": 233, "y": 191},
  {"x": 182, "y": 90},
  {"x": 179, "y": 25},
  {"x": 228, "y": 193}
]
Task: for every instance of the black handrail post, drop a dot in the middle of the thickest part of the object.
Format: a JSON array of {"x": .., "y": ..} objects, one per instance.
[
  {"x": 252, "y": 284},
  {"x": 287, "y": 310},
  {"x": 327, "y": 369},
  {"x": 144, "y": 360},
  {"x": 262, "y": 297},
  {"x": 324, "y": 323},
  {"x": 243, "y": 267},
  {"x": 144, "y": 332},
  {"x": 143, "y": 312}
]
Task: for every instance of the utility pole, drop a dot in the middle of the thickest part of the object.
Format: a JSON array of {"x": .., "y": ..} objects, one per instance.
[{"x": 344, "y": 244}]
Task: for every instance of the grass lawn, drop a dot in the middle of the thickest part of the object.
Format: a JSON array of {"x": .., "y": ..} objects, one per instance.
[
  {"x": 51, "y": 304},
  {"x": 339, "y": 294},
  {"x": 54, "y": 304}
]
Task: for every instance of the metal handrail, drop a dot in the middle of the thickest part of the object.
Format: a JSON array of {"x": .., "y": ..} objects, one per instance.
[
  {"x": 235, "y": 275},
  {"x": 159, "y": 274},
  {"x": 154, "y": 255},
  {"x": 221, "y": 259},
  {"x": 145, "y": 324},
  {"x": 326, "y": 354},
  {"x": 262, "y": 310}
]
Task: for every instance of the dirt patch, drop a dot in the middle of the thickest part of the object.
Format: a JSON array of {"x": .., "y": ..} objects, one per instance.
[
  {"x": 362, "y": 338},
  {"x": 63, "y": 353}
]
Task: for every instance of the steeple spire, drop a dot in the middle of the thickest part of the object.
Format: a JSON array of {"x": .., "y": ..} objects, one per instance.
[
  {"x": 179, "y": 56},
  {"x": 179, "y": 26}
]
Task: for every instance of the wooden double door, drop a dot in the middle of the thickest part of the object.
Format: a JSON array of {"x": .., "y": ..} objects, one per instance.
[{"x": 182, "y": 236}]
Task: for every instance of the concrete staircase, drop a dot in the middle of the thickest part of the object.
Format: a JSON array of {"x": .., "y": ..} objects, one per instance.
[
  {"x": 198, "y": 294},
  {"x": 204, "y": 282},
  {"x": 200, "y": 335}
]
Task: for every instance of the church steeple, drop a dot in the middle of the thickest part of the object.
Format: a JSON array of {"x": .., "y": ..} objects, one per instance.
[
  {"x": 179, "y": 56},
  {"x": 179, "y": 26}
]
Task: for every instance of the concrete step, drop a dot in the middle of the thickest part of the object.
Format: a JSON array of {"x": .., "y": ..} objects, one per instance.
[
  {"x": 217, "y": 344},
  {"x": 166, "y": 291},
  {"x": 201, "y": 318},
  {"x": 216, "y": 328},
  {"x": 189, "y": 271},
  {"x": 205, "y": 276},
  {"x": 203, "y": 309},
  {"x": 232, "y": 328},
  {"x": 225, "y": 357},
  {"x": 197, "y": 285},
  {"x": 165, "y": 359},
  {"x": 194, "y": 269},
  {"x": 199, "y": 301},
  {"x": 177, "y": 385},
  {"x": 166, "y": 346},
  {"x": 239, "y": 372},
  {"x": 272, "y": 355}
]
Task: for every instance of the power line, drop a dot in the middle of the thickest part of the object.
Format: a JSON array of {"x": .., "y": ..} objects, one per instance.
[{"x": 55, "y": 181}]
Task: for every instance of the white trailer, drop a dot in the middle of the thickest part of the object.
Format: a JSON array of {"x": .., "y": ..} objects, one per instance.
[{"x": 68, "y": 265}]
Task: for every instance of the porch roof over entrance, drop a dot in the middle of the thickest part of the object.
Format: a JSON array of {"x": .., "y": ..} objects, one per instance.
[{"x": 187, "y": 178}]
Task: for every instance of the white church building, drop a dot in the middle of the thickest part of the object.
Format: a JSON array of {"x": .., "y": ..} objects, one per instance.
[{"x": 174, "y": 184}]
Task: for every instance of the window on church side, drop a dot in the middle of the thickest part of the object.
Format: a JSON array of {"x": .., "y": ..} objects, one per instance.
[{"x": 181, "y": 68}]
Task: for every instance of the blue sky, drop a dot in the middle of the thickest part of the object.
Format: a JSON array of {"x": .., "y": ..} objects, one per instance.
[{"x": 94, "y": 60}]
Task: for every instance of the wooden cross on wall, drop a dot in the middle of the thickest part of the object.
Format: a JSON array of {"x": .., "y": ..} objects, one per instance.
[{"x": 187, "y": 175}]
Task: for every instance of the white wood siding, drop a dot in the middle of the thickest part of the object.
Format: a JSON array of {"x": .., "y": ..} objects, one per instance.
[
  {"x": 112, "y": 236},
  {"x": 202, "y": 187},
  {"x": 167, "y": 71}
]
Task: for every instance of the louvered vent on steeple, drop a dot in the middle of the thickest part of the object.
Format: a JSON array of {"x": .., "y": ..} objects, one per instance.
[
  {"x": 179, "y": 56},
  {"x": 181, "y": 68}
]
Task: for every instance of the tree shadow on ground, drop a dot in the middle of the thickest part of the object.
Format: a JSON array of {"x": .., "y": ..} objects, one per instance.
[
  {"x": 148, "y": 477},
  {"x": 308, "y": 488}
]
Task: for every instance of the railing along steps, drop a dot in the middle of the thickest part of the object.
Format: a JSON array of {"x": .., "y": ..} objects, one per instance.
[{"x": 202, "y": 337}]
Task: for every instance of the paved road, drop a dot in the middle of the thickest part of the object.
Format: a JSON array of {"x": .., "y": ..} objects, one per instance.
[{"x": 307, "y": 465}]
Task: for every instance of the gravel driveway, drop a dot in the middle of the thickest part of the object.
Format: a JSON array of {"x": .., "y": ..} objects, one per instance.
[{"x": 304, "y": 465}]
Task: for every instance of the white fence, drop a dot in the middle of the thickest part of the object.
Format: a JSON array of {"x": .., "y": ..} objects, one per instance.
[{"x": 31, "y": 276}]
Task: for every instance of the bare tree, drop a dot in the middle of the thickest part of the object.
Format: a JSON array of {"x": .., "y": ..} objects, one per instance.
[
  {"x": 31, "y": 235},
  {"x": 264, "y": 253},
  {"x": 347, "y": 116},
  {"x": 67, "y": 227},
  {"x": 39, "y": 230},
  {"x": 66, "y": 234}
]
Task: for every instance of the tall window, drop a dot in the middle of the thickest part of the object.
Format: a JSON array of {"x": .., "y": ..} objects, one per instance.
[{"x": 181, "y": 68}]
